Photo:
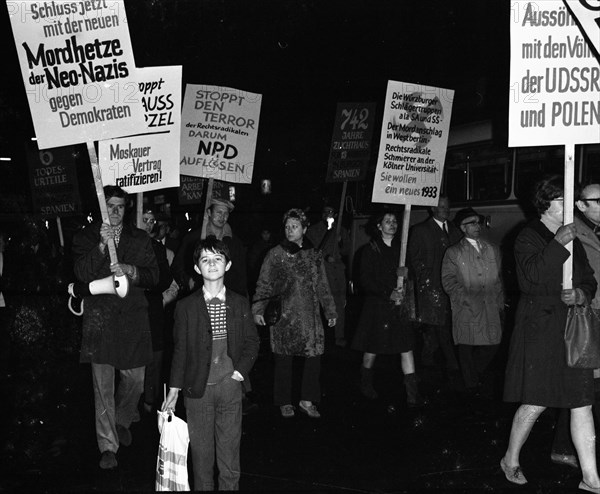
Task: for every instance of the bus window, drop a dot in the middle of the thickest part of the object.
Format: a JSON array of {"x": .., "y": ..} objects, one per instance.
[
  {"x": 533, "y": 163},
  {"x": 480, "y": 173},
  {"x": 591, "y": 164},
  {"x": 455, "y": 182},
  {"x": 490, "y": 179}
]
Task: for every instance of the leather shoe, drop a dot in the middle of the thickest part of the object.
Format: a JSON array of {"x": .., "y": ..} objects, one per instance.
[
  {"x": 585, "y": 487},
  {"x": 561, "y": 459},
  {"x": 124, "y": 435},
  {"x": 309, "y": 409},
  {"x": 513, "y": 474},
  {"x": 108, "y": 460}
]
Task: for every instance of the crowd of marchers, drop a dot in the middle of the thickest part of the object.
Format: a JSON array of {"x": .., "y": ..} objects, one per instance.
[{"x": 194, "y": 308}]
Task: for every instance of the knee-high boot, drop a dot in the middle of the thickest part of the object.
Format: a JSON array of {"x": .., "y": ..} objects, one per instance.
[
  {"x": 366, "y": 383},
  {"x": 413, "y": 397}
]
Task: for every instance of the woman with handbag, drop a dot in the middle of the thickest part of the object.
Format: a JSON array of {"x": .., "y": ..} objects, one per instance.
[
  {"x": 537, "y": 374},
  {"x": 383, "y": 327},
  {"x": 293, "y": 273}
]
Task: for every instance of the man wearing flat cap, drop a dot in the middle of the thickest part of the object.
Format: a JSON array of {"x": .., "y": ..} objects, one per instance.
[
  {"x": 215, "y": 223},
  {"x": 472, "y": 279}
]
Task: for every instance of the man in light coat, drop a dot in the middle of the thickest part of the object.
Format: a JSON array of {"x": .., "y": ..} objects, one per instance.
[{"x": 471, "y": 277}]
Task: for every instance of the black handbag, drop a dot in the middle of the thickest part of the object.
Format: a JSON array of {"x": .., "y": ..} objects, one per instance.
[
  {"x": 582, "y": 337},
  {"x": 273, "y": 311}
]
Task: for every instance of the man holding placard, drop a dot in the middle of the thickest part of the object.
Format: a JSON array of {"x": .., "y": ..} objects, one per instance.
[{"x": 116, "y": 331}]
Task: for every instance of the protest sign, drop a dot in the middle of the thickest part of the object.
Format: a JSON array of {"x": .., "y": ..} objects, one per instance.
[
  {"x": 588, "y": 17},
  {"x": 78, "y": 69},
  {"x": 219, "y": 127},
  {"x": 412, "y": 148},
  {"x": 351, "y": 142},
  {"x": 150, "y": 161},
  {"x": 190, "y": 190},
  {"x": 53, "y": 180},
  {"x": 554, "y": 78}
]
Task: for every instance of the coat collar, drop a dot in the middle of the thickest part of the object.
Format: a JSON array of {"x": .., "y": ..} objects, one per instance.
[
  {"x": 585, "y": 233},
  {"x": 541, "y": 229}
]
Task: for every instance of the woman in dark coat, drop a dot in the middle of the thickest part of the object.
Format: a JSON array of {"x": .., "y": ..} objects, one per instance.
[
  {"x": 537, "y": 374},
  {"x": 294, "y": 270},
  {"x": 383, "y": 327}
]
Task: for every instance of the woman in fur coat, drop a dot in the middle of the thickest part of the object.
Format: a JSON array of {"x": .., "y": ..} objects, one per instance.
[{"x": 294, "y": 272}]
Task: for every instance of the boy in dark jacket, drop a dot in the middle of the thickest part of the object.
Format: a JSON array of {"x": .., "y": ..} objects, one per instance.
[{"x": 216, "y": 344}]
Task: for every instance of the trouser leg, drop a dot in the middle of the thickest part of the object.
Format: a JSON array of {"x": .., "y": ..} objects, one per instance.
[
  {"x": 246, "y": 385},
  {"x": 467, "y": 365},
  {"x": 282, "y": 382},
  {"x": 430, "y": 344},
  {"x": 228, "y": 433},
  {"x": 131, "y": 386},
  {"x": 311, "y": 379},
  {"x": 201, "y": 427},
  {"x": 153, "y": 380},
  {"x": 444, "y": 337},
  {"x": 103, "y": 378},
  {"x": 340, "y": 307}
]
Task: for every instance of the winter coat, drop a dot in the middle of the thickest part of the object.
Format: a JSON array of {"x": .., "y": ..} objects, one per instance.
[
  {"x": 427, "y": 244},
  {"x": 298, "y": 276},
  {"x": 116, "y": 331},
  {"x": 591, "y": 244},
  {"x": 383, "y": 326},
  {"x": 536, "y": 369},
  {"x": 332, "y": 252},
  {"x": 472, "y": 280},
  {"x": 156, "y": 311}
]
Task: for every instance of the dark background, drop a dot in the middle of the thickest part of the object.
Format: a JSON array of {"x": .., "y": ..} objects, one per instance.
[{"x": 303, "y": 57}]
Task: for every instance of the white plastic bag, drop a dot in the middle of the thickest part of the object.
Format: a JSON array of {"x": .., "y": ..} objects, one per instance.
[{"x": 171, "y": 463}]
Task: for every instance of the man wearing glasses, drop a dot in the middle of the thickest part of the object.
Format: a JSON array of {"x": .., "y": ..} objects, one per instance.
[{"x": 471, "y": 278}]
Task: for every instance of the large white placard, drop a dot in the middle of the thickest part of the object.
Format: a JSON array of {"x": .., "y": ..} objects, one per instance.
[
  {"x": 587, "y": 13},
  {"x": 78, "y": 69},
  {"x": 151, "y": 161},
  {"x": 219, "y": 128},
  {"x": 554, "y": 78},
  {"x": 412, "y": 148}
]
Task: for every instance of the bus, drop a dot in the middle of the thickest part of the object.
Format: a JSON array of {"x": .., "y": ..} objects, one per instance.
[{"x": 494, "y": 180}]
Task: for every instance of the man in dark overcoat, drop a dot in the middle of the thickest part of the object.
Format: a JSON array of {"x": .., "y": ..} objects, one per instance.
[
  {"x": 215, "y": 224},
  {"x": 116, "y": 331},
  {"x": 427, "y": 243},
  {"x": 323, "y": 237}
]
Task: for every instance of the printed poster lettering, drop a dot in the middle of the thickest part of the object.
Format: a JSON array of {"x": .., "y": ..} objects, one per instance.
[
  {"x": 150, "y": 161},
  {"x": 412, "y": 148},
  {"x": 219, "y": 128},
  {"x": 78, "y": 69}
]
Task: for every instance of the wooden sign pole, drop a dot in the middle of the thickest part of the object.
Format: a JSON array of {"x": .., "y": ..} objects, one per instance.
[
  {"x": 139, "y": 208},
  {"x": 338, "y": 228},
  {"x": 112, "y": 250},
  {"x": 404, "y": 243},
  {"x": 61, "y": 237},
  {"x": 568, "y": 199},
  {"x": 209, "y": 189}
]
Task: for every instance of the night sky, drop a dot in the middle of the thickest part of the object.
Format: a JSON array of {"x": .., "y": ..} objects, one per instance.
[{"x": 303, "y": 57}]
